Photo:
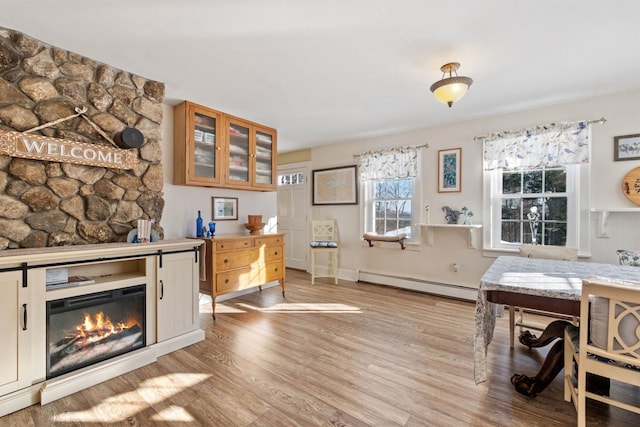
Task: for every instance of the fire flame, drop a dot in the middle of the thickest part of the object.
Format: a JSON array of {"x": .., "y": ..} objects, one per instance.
[{"x": 98, "y": 328}]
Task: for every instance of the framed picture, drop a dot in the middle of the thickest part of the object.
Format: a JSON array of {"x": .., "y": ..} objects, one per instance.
[
  {"x": 225, "y": 208},
  {"x": 450, "y": 170},
  {"x": 626, "y": 147},
  {"x": 335, "y": 186}
]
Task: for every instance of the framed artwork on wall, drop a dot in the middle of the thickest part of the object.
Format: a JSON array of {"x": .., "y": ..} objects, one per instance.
[
  {"x": 450, "y": 170},
  {"x": 335, "y": 186},
  {"x": 224, "y": 208},
  {"x": 626, "y": 147}
]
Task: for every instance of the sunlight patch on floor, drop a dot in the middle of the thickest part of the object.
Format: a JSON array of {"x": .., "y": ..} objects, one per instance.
[
  {"x": 154, "y": 390},
  {"x": 173, "y": 414},
  {"x": 221, "y": 308},
  {"x": 304, "y": 308}
]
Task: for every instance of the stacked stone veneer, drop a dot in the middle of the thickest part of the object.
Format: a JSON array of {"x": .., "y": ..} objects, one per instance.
[{"x": 49, "y": 203}]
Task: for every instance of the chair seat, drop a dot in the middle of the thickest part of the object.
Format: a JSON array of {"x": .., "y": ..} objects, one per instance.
[
  {"x": 573, "y": 332},
  {"x": 323, "y": 244}
]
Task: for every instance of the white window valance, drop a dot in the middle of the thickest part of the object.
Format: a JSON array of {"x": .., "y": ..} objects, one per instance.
[
  {"x": 391, "y": 163},
  {"x": 541, "y": 146}
]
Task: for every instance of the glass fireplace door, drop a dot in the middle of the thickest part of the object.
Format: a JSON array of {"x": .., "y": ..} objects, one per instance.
[{"x": 86, "y": 329}]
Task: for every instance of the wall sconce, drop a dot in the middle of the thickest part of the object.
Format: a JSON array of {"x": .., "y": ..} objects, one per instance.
[{"x": 450, "y": 89}]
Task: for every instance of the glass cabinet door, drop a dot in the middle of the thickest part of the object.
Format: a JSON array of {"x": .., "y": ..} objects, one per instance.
[
  {"x": 238, "y": 161},
  {"x": 205, "y": 147},
  {"x": 264, "y": 158}
]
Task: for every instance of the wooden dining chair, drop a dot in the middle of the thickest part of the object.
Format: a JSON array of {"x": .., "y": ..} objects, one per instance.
[
  {"x": 608, "y": 347},
  {"x": 324, "y": 240},
  {"x": 516, "y": 314}
]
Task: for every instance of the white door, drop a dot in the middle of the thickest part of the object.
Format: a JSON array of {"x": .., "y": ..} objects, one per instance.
[{"x": 293, "y": 207}]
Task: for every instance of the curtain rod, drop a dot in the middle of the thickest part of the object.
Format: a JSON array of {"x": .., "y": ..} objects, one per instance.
[
  {"x": 601, "y": 120},
  {"x": 425, "y": 145}
]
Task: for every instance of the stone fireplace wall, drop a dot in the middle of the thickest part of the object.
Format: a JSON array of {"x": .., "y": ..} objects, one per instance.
[{"x": 45, "y": 203}]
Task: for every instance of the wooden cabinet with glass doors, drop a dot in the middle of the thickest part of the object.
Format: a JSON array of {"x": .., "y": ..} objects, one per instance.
[
  {"x": 251, "y": 155},
  {"x": 197, "y": 139},
  {"x": 213, "y": 149}
]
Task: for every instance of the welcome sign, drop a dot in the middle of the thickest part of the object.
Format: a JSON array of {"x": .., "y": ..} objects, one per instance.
[{"x": 27, "y": 146}]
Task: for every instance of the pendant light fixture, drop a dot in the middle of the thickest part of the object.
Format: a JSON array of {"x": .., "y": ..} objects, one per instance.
[{"x": 450, "y": 89}]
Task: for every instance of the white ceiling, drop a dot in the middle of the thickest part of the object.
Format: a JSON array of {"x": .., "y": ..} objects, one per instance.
[{"x": 339, "y": 70}]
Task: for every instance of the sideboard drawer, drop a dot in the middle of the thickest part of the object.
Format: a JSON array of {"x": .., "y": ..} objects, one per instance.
[
  {"x": 274, "y": 271},
  {"x": 273, "y": 253},
  {"x": 234, "y": 280},
  {"x": 235, "y": 259},
  {"x": 269, "y": 241},
  {"x": 228, "y": 245}
]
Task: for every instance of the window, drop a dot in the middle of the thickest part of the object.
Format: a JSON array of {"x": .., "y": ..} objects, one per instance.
[
  {"x": 294, "y": 178},
  {"x": 534, "y": 191},
  {"x": 389, "y": 206},
  {"x": 534, "y": 206},
  {"x": 390, "y": 185}
]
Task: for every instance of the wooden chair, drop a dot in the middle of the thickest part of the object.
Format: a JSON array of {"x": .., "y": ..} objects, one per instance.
[
  {"x": 324, "y": 241},
  {"x": 609, "y": 347},
  {"x": 516, "y": 314}
]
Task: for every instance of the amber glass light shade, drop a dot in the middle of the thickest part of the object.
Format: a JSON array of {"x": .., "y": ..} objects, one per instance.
[{"x": 450, "y": 89}]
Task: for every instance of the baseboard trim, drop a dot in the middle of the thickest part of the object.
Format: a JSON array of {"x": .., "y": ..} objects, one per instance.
[
  {"x": 20, "y": 399},
  {"x": 73, "y": 382},
  {"x": 176, "y": 343}
]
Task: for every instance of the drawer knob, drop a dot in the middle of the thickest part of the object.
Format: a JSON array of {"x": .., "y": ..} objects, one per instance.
[
  {"x": 276, "y": 252},
  {"x": 226, "y": 260},
  {"x": 276, "y": 269},
  {"x": 226, "y": 281}
]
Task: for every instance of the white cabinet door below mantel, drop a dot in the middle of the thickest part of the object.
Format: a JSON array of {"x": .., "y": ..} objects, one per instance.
[
  {"x": 15, "y": 333},
  {"x": 177, "y": 295}
]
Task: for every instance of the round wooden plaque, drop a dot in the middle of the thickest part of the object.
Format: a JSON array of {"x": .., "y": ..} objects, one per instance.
[{"x": 631, "y": 186}]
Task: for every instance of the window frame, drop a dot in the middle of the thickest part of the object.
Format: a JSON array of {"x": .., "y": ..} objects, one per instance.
[
  {"x": 577, "y": 208},
  {"x": 368, "y": 189}
]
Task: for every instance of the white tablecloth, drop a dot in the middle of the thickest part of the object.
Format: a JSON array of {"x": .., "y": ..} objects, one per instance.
[{"x": 531, "y": 276}]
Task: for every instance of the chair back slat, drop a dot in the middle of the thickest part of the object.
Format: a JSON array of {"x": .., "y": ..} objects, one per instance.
[
  {"x": 323, "y": 230},
  {"x": 622, "y": 321}
]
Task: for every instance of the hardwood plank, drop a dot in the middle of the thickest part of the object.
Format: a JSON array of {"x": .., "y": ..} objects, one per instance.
[{"x": 355, "y": 354}]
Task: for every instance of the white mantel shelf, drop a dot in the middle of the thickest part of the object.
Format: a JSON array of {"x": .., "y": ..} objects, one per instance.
[
  {"x": 471, "y": 228},
  {"x": 603, "y": 217}
]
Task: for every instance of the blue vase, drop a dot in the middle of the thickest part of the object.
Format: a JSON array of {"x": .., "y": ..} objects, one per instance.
[
  {"x": 212, "y": 228},
  {"x": 199, "y": 225}
]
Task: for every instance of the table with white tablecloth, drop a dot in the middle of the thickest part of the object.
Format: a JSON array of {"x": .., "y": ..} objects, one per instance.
[{"x": 539, "y": 278}]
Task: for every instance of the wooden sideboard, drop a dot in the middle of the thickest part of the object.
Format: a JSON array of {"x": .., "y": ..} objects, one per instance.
[{"x": 236, "y": 262}]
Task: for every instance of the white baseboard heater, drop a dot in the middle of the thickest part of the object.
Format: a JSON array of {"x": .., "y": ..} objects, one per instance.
[{"x": 437, "y": 288}]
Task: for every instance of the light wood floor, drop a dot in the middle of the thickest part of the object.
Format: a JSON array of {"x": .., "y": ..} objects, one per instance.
[{"x": 349, "y": 355}]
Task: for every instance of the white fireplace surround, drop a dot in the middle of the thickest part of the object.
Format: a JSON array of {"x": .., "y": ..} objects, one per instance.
[{"x": 169, "y": 269}]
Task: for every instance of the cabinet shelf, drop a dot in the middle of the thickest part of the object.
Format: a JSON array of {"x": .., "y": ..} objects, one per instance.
[
  {"x": 239, "y": 135},
  {"x": 121, "y": 280},
  {"x": 205, "y": 127},
  {"x": 472, "y": 238},
  {"x": 207, "y": 144}
]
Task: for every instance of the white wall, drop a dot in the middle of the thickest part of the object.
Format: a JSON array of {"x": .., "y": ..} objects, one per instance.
[
  {"x": 432, "y": 263},
  {"x": 183, "y": 202}
]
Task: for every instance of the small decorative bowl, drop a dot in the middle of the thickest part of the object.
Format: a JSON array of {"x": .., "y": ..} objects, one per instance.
[{"x": 254, "y": 228}]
